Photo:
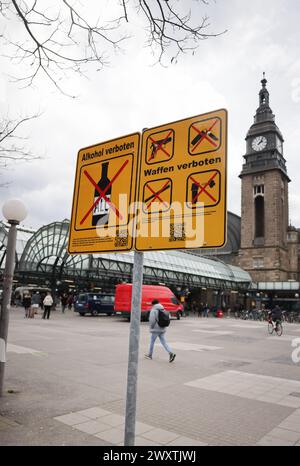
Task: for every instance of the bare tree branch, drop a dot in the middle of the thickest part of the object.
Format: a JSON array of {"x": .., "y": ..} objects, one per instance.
[
  {"x": 65, "y": 41},
  {"x": 171, "y": 31},
  {"x": 12, "y": 146},
  {"x": 58, "y": 39}
]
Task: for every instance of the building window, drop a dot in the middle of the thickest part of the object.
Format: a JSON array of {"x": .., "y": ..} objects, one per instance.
[
  {"x": 258, "y": 262},
  {"x": 259, "y": 190},
  {"x": 259, "y": 205}
]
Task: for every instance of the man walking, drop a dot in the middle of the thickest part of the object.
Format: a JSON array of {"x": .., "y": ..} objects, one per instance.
[{"x": 158, "y": 331}]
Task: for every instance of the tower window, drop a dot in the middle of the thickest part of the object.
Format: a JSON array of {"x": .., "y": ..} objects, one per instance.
[
  {"x": 258, "y": 262},
  {"x": 259, "y": 190},
  {"x": 264, "y": 98},
  {"x": 259, "y": 205}
]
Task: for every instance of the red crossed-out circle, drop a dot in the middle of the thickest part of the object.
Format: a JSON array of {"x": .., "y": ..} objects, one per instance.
[{"x": 102, "y": 193}]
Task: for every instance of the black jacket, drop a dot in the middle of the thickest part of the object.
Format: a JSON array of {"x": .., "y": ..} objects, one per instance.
[
  {"x": 276, "y": 313},
  {"x": 26, "y": 301}
]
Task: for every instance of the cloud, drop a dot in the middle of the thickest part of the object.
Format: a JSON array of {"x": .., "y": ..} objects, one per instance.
[{"x": 130, "y": 95}]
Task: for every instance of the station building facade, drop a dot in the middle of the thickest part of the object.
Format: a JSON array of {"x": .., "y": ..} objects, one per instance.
[{"x": 42, "y": 259}]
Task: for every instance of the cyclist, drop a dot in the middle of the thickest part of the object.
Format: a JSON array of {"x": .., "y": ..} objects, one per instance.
[{"x": 275, "y": 317}]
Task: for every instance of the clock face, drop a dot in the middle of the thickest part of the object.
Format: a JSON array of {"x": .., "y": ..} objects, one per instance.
[{"x": 259, "y": 143}]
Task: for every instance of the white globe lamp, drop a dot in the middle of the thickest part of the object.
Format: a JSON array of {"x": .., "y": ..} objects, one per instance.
[{"x": 14, "y": 211}]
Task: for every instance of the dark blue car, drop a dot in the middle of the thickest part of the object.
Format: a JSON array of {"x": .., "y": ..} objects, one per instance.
[{"x": 94, "y": 304}]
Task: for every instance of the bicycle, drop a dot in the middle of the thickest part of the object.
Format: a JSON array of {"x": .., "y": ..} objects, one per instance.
[{"x": 278, "y": 328}]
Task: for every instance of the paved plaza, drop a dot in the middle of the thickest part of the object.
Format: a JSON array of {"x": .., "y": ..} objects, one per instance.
[{"x": 230, "y": 384}]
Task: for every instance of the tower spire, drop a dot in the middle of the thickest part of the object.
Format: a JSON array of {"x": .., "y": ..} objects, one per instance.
[
  {"x": 264, "y": 112},
  {"x": 264, "y": 81},
  {"x": 264, "y": 93}
]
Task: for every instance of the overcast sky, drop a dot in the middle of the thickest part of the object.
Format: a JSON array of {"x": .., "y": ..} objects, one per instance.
[{"x": 132, "y": 94}]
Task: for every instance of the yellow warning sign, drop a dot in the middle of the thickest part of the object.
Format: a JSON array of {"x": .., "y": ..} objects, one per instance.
[
  {"x": 182, "y": 184},
  {"x": 104, "y": 192}
]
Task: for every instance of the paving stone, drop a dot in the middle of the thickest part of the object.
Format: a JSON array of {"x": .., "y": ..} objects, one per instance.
[
  {"x": 114, "y": 435},
  {"x": 289, "y": 401},
  {"x": 72, "y": 419},
  {"x": 160, "y": 435},
  {"x": 274, "y": 441},
  {"x": 113, "y": 420},
  {"x": 285, "y": 434},
  {"x": 140, "y": 428},
  {"x": 94, "y": 413},
  {"x": 143, "y": 442},
  {"x": 294, "y": 426},
  {"x": 6, "y": 423},
  {"x": 92, "y": 426},
  {"x": 185, "y": 442}
]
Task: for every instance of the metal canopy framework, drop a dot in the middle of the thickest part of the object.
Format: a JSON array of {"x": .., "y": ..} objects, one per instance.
[
  {"x": 44, "y": 254},
  {"x": 24, "y": 234}
]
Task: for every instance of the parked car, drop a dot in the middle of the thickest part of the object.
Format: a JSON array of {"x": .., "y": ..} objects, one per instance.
[
  {"x": 216, "y": 311},
  {"x": 94, "y": 304},
  {"x": 149, "y": 292}
]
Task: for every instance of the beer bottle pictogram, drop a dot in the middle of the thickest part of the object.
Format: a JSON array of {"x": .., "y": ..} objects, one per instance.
[{"x": 101, "y": 211}]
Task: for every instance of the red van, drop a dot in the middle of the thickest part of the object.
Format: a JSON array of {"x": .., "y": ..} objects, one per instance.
[{"x": 149, "y": 292}]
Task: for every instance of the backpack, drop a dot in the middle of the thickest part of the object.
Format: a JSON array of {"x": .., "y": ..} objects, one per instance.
[{"x": 163, "y": 318}]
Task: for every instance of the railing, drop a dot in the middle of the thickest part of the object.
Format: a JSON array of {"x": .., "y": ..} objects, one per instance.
[{"x": 262, "y": 315}]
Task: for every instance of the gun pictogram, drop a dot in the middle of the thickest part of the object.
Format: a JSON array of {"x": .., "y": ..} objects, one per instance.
[
  {"x": 156, "y": 145},
  {"x": 203, "y": 133}
]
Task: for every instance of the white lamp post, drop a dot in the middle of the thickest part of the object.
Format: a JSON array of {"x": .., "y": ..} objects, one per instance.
[{"x": 14, "y": 211}]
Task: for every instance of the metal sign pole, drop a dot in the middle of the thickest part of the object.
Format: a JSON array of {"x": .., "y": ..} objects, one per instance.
[
  {"x": 134, "y": 337},
  {"x": 7, "y": 287}
]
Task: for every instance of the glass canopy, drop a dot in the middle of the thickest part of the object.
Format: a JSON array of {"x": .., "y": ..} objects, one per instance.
[{"x": 45, "y": 252}]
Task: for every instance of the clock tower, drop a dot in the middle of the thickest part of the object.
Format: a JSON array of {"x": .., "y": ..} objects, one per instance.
[{"x": 264, "y": 251}]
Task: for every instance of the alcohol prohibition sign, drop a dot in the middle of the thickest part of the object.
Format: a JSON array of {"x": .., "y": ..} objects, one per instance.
[
  {"x": 102, "y": 193},
  {"x": 102, "y": 219}
]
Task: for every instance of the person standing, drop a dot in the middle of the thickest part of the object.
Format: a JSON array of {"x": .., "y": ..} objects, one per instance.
[
  {"x": 70, "y": 302},
  {"x": 27, "y": 304},
  {"x": 42, "y": 295},
  {"x": 35, "y": 303},
  {"x": 157, "y": 331},
  {"x": 64, "y": 302},
  {"x": 200, "y": 310},
  {"x": 48, "y": 302},
  {"x": 206, "y": 310}
]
